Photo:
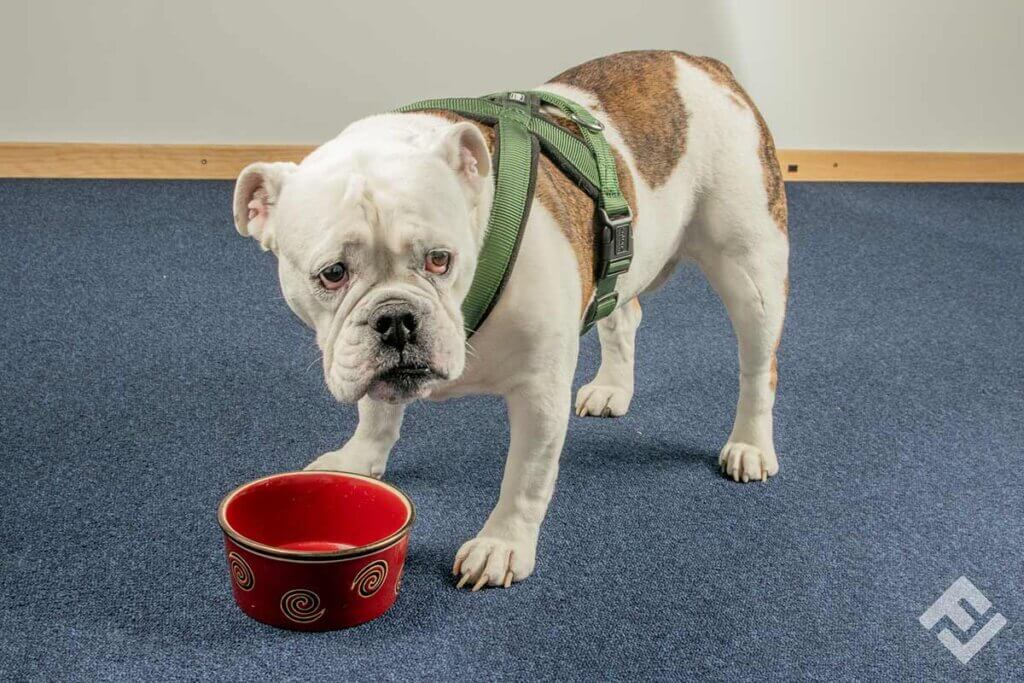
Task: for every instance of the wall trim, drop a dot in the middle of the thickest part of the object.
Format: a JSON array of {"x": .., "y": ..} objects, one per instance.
[
  {"x": 902, "y": 167},
  {"x": 102, "y": 160}
]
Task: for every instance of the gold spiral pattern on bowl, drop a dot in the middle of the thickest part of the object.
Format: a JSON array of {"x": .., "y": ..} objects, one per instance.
[
  {"x": 370, "y": 578},
  {"x": 241, "y": 572},
  {"x": 301, "y": 606}
]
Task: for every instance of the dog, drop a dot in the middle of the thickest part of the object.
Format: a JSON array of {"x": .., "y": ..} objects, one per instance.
[{"x": 377, "y": 234}]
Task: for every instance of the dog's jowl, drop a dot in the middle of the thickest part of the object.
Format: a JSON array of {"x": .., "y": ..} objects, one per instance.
[{"x": 378, "y": 234}]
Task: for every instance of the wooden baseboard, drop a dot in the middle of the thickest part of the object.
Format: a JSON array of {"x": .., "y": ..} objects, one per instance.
[
  {"x": 901, "y": 167},
  {"x": 99, "y": 160}
]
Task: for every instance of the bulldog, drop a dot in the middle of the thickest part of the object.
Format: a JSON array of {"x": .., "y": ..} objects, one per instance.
[{"x": 377, "y": 235}]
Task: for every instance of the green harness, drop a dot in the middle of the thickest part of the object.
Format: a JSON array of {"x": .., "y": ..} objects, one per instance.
[{"x": 587, "y": 159}]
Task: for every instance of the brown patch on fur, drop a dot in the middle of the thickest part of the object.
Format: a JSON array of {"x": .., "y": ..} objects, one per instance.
[
  {"x": 773, "y": 381},
  {"x": 773, "y": 184},
  {"x": 572, "y": 208},
  {"x": 638, "y": 92}
]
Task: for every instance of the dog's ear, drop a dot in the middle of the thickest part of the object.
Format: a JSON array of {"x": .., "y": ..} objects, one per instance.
[
  {"x": 256, "y": 192},
  {"x": 464, "y": 148}
]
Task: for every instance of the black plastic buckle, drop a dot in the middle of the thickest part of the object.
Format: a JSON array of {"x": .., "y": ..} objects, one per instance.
[{"x": 616, "y": 243}]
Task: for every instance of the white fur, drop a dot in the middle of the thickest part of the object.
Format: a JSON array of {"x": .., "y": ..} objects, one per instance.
[{"x": 398, "y": 181}]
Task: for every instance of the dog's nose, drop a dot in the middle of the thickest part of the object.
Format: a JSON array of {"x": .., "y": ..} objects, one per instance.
[{"x": 396, "y": 326}]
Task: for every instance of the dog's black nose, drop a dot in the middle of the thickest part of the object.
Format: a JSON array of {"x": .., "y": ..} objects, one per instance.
[{"x": 396, "y": 326}]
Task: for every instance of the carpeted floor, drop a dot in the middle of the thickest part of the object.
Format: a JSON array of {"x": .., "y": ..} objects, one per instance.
[{"x": 149, "y": 365}]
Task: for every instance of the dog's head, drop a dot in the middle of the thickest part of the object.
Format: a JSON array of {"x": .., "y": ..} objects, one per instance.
[{"x": 376, "y": 235}]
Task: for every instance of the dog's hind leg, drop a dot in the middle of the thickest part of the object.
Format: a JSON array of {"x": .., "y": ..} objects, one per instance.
[
  {"x": 753, "y": 288},
  {"x": 610, "y": 392},
  {"x": 743, "y": 250}
]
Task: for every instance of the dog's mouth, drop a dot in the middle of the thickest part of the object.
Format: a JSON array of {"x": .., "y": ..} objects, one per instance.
[
  {"x": 408, "y": 372},
  {"x": 403, "y": 381}
]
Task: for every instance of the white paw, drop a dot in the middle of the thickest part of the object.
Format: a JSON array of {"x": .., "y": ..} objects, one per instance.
[
  {"x": 488, "y": 561},
  {"x": 351, "y": 458},
  {"x": 744, "y": 462},
  {"x": 602, "y": 400}
]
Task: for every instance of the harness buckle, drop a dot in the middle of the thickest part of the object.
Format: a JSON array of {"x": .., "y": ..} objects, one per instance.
[{"x": 616, "y": 243}]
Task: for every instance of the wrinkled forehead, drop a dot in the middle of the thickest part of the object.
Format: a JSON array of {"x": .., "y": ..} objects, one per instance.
[{"x": 394, "y": 202}]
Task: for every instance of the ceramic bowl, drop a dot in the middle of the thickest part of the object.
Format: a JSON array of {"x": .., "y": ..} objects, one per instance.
[{"x": 316, "y": 551}]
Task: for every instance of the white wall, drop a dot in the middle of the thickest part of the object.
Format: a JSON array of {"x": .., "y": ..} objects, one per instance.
[
  {"x": 864, "y": 74},
  {"x": 885, "y": 74}
]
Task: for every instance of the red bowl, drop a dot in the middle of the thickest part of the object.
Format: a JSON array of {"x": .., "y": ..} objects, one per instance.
[{"x": 315, "y": 551}]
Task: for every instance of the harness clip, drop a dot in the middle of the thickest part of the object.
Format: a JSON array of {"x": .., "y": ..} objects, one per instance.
[{"x": 616, "y": 243}]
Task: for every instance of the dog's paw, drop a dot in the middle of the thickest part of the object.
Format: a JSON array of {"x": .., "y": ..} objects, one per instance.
[
  {"x": 350, "y": 459},
  {"x": 489, "y": 561},
  {"x": 744, "y": 462},
  {"x": 602, "y": 400}
]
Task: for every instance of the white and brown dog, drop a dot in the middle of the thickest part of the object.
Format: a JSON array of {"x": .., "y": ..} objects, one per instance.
[{"x": 377, "y": 234}]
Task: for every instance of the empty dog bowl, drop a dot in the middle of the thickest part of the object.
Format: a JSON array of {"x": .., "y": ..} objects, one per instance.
[{"x": 315, "y": 551}]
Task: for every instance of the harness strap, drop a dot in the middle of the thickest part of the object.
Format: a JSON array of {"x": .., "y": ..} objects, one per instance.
[
  {"x": 612, "y": 200},
  {"x": 577, "y": 158},
  {"x": 513, "y": 192},
  {"x": 614, "y": 215},
  {"x": 588, "y": 160}
]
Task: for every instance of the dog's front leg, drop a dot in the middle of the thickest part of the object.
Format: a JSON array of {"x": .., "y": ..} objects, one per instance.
[
  {"x": 505, "y": 549},
  {"x": 367, "y": 451}
]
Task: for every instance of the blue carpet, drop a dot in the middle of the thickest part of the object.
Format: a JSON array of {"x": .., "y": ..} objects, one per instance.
[{"x": 149, "y": 365}]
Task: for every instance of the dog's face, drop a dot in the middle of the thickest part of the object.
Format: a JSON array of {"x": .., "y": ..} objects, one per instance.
[{"x": 377, "y": 235}]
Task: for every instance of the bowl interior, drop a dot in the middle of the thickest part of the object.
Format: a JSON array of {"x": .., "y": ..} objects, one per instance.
[{"x": 316, "y": 512}]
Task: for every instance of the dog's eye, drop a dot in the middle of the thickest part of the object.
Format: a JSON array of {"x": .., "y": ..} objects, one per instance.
[
  {"x": 334, "y": 276},
  {"x": 438, "y": 261}
]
